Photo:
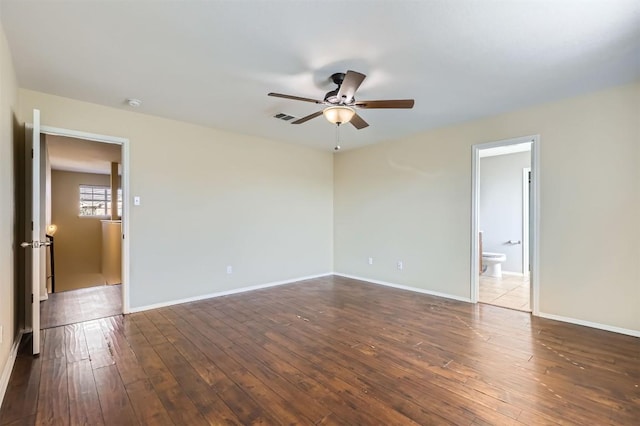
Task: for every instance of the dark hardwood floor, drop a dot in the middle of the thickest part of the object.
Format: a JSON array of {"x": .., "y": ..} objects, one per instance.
[
  {"x": 73, "y": 306},
  {"x": 327, "y": 351}
]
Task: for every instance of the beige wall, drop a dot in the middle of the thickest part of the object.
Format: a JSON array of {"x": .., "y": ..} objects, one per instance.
[
  {"x": 8, "y": 133},
  {"x": 78, "y": 241},
  {"x": 210, "y": 199},
  {"x": 410, "y": 200}
]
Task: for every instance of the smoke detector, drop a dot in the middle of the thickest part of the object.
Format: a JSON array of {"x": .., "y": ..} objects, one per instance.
[{"x": 135, "y": 103}]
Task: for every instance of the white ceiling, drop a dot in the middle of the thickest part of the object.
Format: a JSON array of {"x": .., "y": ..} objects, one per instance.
[
  {"x": 79, "y": 155},
  {"x": 213, "y": 62}
]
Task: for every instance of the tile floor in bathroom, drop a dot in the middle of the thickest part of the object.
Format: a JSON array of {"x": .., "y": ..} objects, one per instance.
[{"x": 510, "y": 291}]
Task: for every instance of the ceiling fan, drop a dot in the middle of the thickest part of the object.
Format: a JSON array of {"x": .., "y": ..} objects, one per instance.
[{"x": 341, "y": 103}]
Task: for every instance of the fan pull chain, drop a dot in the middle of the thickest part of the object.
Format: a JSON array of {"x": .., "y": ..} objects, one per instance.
[{"x": 337, "y": 147}]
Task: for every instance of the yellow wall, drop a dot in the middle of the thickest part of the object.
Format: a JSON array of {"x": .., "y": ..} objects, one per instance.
[
  {"x": 9, "y": 298},
  {"x": 112, "y": 251},
  {"x": 210, "y": 199},
  {"x": 78, "y": 241},
  {"x": 410, "y": 200}
]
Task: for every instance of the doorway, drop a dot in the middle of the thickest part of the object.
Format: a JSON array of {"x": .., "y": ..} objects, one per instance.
[
  {"x": 504, "y": 223},
  {"x": 85, "y": 214}
]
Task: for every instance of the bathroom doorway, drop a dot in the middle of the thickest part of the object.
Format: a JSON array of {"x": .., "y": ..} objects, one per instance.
[{"x": 503, "y": 224}]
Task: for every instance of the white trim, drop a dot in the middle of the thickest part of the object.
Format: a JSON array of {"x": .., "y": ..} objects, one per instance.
[
  {"x": 406, "y": 287},
  {"x": 56, "y": 131},
  {"x": 627, "y": 331},
  {"x": 126, "y": 241},
  {"x": 534, "y": 233},
  {"x": 124, "y": 143},
  {"x": 8, "y": 366},
  {"x": 525, "y": 219},
  {"x": 224, "y": 293},
  {"x": 475, "y": 228},
  {"x": 475, "y": 214}
]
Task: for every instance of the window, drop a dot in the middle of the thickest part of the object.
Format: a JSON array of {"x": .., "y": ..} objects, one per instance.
[{"x": 95, "y": 200}]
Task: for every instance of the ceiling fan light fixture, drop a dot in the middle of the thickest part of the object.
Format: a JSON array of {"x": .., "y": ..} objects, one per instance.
[{"x": 338, "y": 114}]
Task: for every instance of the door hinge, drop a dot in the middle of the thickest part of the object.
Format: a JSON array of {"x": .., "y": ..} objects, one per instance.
[
  {"x": 31, "y": 298},
  {"x": 32, "y": 153},
  {"x": 32, "y": 225}
]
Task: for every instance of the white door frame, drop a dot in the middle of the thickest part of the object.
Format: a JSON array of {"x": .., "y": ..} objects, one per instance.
[
  {"x": 534, "y": 254},
  {"x": 525, "y": 221},
  {"x": 124, "y": 143}
]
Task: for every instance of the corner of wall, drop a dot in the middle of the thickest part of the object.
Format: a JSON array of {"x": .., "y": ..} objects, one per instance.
[
  {"x": 5, "y": 373},
  {"x": 9, "y": 285}
]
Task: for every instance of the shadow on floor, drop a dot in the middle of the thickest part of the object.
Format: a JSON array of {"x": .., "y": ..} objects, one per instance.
[{"x": 70, "y": 307}]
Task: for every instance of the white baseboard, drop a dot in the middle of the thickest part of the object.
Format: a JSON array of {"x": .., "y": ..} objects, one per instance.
[
  {"x": 8, "y": 366},
  {"x": 629, "y": 332},
  {"x": 405, "y": 287},
  {"x": 224, "y": 293},
  {"x": 605, "y": 327}
]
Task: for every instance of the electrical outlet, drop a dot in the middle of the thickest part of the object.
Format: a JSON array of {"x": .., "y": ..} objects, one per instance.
[
  {"x": 371, "y": 261},
  {"x": 400, "y": 265},
  {"x": 229, "y": 269}
]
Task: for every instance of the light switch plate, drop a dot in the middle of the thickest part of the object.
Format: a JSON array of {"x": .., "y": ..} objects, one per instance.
[{"x": 136, "y": 201}]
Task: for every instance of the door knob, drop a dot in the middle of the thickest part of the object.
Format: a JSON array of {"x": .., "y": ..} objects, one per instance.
[{"x": 35, "y": 244}]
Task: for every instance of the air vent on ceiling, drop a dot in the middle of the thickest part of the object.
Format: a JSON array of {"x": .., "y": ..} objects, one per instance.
[{"x": 284, "y": 117}]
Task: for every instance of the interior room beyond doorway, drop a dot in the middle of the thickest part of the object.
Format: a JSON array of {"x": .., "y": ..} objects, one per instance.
[
  {"x": 504, "y": 226},
  {"x": 83, "y": 219}
]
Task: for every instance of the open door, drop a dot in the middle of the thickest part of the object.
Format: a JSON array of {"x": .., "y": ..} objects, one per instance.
[{"x": 34, "y": 237}]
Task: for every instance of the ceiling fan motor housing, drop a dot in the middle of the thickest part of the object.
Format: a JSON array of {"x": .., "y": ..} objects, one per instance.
[
  {"x": 332, "y": 96},
  {"x": 338, "y": 78}
]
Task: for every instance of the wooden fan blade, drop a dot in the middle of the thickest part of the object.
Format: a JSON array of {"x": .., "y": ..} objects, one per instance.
[
  {"x": 295, "y": 98},
  {"x": 307, "y": 118},
  {"x": 358, "y": 122},
  {"x": 390, "y": 103},
  {"x": 352, "y": 80}
]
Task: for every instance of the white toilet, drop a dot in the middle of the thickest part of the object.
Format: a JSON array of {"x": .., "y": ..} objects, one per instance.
[{"x": 493, "y": 261}]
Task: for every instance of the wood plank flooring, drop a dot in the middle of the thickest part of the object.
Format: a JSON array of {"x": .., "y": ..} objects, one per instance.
[
  {"x": 73, "y": 306},
  {"x": 327, "y": 351}
]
